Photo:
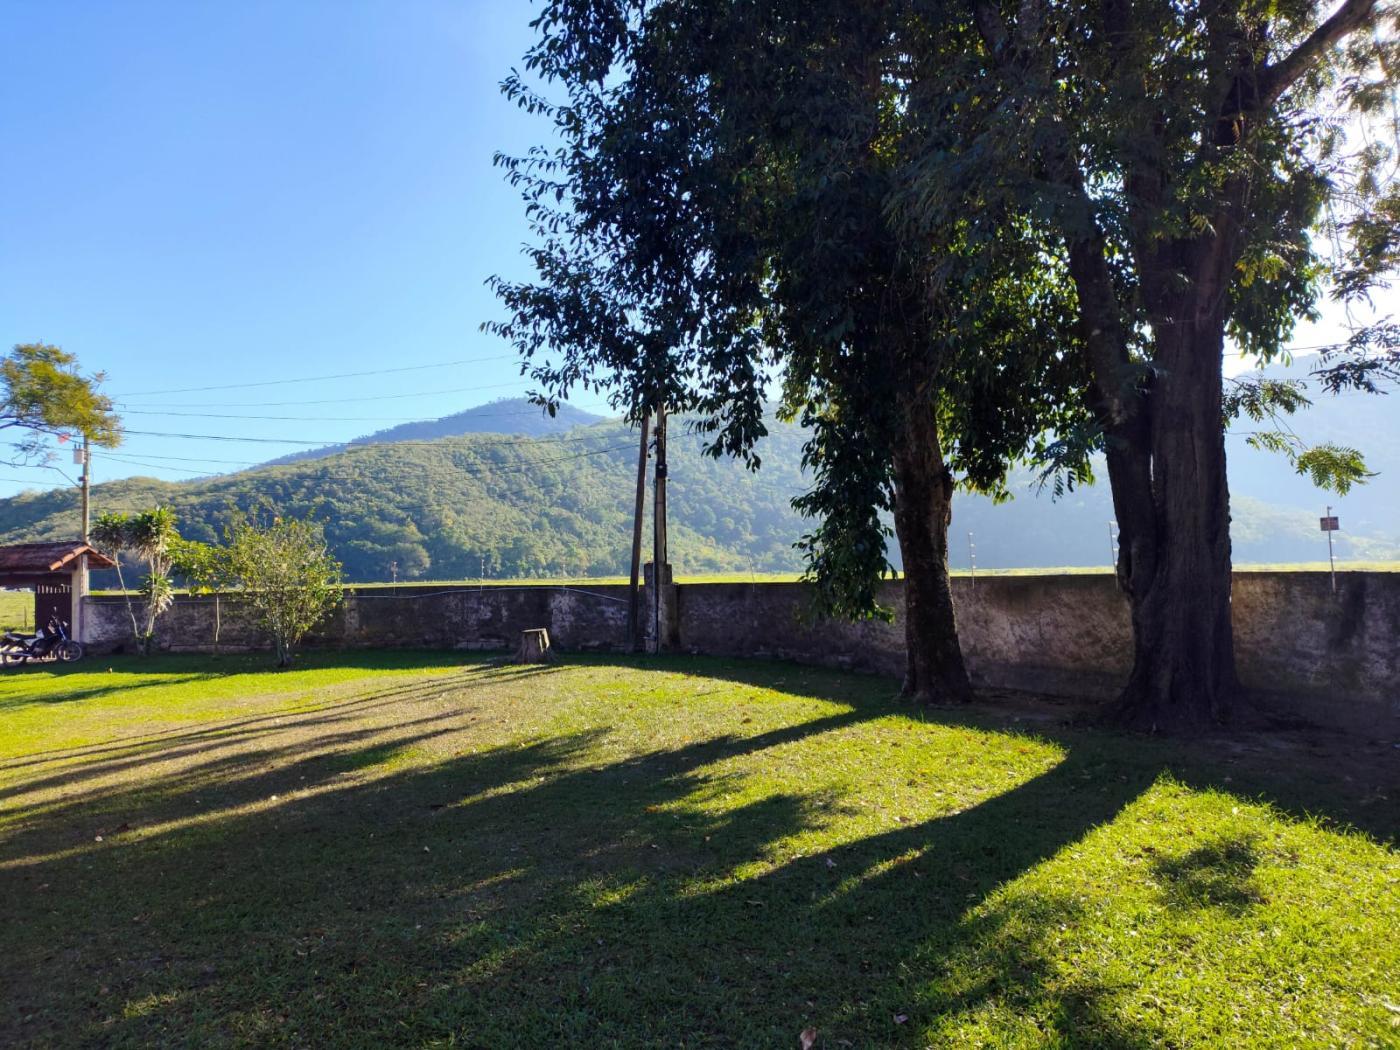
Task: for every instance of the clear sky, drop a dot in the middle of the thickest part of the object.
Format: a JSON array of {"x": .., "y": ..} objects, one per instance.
[{"x": 203, "y": 194}]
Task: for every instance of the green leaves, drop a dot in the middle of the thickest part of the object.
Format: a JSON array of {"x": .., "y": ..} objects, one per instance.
[
  {"x": 42, "y": 391},
  {"x": 152, "y": 537},
  {"x": 287, "y": 577},
  {"x": 1334, "y": 467}
]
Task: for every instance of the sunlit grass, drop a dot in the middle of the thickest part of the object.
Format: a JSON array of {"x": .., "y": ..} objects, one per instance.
[
  {"x": 424, "y": 849},
  {"x": 16, "y": 609}
]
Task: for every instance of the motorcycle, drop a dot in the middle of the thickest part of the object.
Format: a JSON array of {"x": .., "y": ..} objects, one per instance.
[{"x": 50, "y": 643}]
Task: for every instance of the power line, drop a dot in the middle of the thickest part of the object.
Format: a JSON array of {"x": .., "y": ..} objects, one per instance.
[
  {"x": 351, "y": 444},
  {"x": 297, "y": 419},
  {"x": 327, "y": 473},
  {"x": 322, "y": 378},
  {"x": 345, "y": 400}
]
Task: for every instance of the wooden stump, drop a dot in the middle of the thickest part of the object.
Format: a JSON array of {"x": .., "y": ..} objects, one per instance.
[{"x": 534, "y": 647}]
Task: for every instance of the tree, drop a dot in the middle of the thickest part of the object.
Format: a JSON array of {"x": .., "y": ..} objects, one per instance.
[
  {"x": 150, "y": 536},
  {"x": 206, "y": 570},
  {"x": 1189, "y": 163},
  {"x": 721, "y": 209},
  {"x": 287, "y": 577},
  {"x": 109, "y": 535},
  {"x": 43, "y": 392}
]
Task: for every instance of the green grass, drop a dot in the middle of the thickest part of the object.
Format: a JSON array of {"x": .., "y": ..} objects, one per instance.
[
  {"x": 399, "y": 849},
  {"x": 16, "y": 609}
]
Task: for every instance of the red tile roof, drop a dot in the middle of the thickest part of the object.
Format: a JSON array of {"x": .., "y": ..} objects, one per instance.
[{"x": 49, "y": 557}]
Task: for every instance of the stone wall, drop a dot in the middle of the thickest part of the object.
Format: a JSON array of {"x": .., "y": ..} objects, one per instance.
[
  {"x": 1330, "y": 657},
  {"x": 1333, "y": 657},
  {"x": 578, "y": 619}
]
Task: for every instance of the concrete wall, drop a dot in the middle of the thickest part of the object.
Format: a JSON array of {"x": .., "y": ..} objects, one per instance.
[{"x": 1334, "y": 657}]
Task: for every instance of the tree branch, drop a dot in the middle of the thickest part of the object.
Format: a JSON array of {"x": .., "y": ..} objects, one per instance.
[{"x": 1279, "y": 76}]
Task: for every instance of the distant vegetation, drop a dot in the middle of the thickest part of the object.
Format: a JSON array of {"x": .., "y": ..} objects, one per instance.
[{"x": 521, "y": 506}]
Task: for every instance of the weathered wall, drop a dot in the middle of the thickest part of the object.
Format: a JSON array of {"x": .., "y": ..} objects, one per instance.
[
  {"x": 430, "y": 617},
  {"x": 1334, "y": 657},
  {"x": 1330, "y": 656}
]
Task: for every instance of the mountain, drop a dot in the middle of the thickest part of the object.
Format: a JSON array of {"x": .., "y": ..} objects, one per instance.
[
  {"x": 512, "y": 415},
  {"x": 447, "y": 502},
  {"x": 455, "y": 507}
]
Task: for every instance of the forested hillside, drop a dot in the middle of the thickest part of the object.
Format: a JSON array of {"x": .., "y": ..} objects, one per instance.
[
  {"x": 512, "y": 415},
  {"x": 449, "y": 508},
  {"x": 560, "y": 504}
]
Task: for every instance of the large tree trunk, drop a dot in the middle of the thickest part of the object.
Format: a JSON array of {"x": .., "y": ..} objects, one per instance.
[
  {"x": 934, "y": 668},
  {"x": 1184, "y": 664},
  {"x": 1165, "y": 447}
]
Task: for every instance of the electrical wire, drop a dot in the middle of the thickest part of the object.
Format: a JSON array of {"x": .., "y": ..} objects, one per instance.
[
  {"x": 353, "y": 443},
  {"x": 327, "y": 473},
  {"x": 319, "y": 379}
]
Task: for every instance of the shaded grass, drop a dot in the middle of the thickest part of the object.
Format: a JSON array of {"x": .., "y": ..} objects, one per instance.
[{"x": 421, "y": 849}]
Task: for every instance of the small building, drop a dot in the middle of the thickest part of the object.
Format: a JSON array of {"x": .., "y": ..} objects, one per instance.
[{"x": 56, "y": 573}]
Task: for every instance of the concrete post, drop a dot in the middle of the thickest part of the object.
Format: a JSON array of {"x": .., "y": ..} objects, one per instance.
[
  {"x": 668, "y": 619},
  {"x": 79, "y": 586}
]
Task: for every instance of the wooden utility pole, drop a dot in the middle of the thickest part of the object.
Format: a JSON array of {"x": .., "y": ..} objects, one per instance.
[
  {"x": 659, "y": 551},
  {"x": 634, "y": 596}
]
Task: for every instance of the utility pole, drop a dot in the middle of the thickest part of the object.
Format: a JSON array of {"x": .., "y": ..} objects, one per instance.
[
  {"x": 80, "y": 589},
  {"x": 972, "y": 557},
  {"x": 659, "y": 551},
  {"x": 86, "y": 453},
  {"x": 634, "y": 595}
]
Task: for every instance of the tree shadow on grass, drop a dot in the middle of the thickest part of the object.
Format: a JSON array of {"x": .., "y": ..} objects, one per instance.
[
  {"x": 1218, "y": 874},
  {"x": 76, "y": 766},
  {"x": 546, "y": 892},
  {"x": 36, "y": 698},
  {"x": 527, "y": 895},
  {"x": 1336, "y": 777}
]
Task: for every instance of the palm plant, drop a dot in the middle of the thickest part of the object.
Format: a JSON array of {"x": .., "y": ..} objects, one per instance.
[
  {"x": 110, "y": 535},
  {"x": 150, "y": 536}
]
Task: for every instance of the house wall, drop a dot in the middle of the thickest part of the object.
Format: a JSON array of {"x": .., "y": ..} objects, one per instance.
[{"x": 1333, "y": 657}]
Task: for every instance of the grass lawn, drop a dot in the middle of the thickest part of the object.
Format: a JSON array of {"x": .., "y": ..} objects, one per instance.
[
  {"x": 400, "y": 849},
  {"x": 16, "y": 609}
]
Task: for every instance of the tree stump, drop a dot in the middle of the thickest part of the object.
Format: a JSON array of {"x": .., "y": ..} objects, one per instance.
[{"x": 534, "y": 646}]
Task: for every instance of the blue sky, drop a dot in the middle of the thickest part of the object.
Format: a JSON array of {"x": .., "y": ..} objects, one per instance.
[{"x": 201, "y": 194}]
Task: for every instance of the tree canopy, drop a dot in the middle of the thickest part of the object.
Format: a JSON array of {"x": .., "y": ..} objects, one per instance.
[
  {"x": 43, "y": 392},
  {"x": 839, "y": 192}
]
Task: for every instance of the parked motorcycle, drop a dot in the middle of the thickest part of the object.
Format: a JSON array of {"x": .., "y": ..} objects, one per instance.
[{"x": 50, "y": 643}]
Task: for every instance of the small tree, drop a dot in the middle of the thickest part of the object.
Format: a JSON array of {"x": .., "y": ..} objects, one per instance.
[
  {"x": 206, "y": 571},
  {"x": 42, "y": 391},
  {"x": 289, "y": 578},
  {"x": 152, "y": 537}
]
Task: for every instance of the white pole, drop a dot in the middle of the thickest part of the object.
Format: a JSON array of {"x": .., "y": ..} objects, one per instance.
[{"x": 1331, "y": 558}]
